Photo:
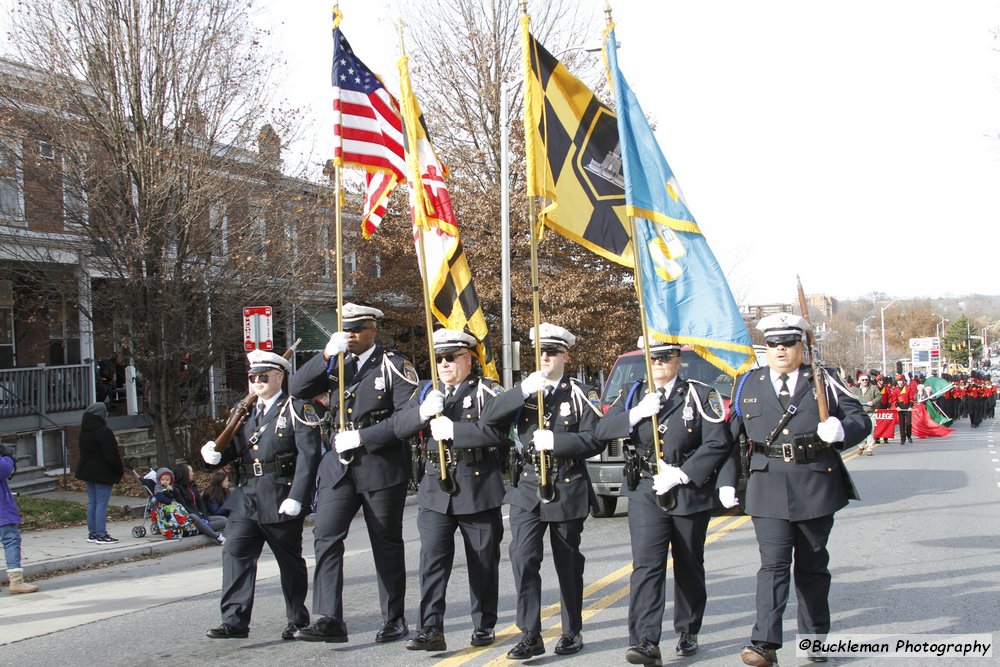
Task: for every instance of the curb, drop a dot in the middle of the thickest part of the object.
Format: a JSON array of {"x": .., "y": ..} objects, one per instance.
[
  {"x": 115, "y": 555},
  {"x": 125, "y": 552}
]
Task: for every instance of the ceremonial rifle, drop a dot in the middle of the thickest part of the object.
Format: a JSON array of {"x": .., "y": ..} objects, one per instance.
[
  {"x": 819, "y": 380},
  {"x": 242, "y": 409}
]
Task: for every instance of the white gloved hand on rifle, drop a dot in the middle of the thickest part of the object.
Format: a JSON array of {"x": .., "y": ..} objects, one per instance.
[
  {"x": 544, "y": 440},
  {"x": 830, "y": 430},
  {"x": 433, "y": 405},
  {"x": 209, "y": 454}
]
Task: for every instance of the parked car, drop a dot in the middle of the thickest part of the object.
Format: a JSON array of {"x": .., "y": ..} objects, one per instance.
[{"x": 605, "y": 469}]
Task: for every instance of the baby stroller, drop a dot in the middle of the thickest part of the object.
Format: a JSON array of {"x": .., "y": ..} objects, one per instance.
[{"x": 171, "y": 520}]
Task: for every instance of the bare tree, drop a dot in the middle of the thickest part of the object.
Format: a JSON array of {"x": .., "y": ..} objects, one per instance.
[{"x": 158, "y": 113}]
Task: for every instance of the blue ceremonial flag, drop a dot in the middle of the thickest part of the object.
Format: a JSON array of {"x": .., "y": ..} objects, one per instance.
[{"x": 686, "y": 297}]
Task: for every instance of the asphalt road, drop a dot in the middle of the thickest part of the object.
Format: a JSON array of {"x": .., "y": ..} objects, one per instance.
[{"x": 920, "y": 554}]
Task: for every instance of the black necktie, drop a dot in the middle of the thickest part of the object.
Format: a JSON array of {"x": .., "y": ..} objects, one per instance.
[
  {"x": 350, "y": 367},
  {"x": 784, "y": 396},
  {"x": 662, "y": 391},
  {"x": 258, "y": 416}
]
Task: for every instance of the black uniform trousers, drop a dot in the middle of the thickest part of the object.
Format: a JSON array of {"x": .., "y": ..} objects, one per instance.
[
  {"x": 781, "y": 542},
  {"x": 526, "y": 532},
  {"x": 482, "y": 533},
  {"x": 245, "y": 539},
  {"x": 653, "y": 533},
  {"x": 383, "y": 512},
  {"x": 905, "y": 426}
]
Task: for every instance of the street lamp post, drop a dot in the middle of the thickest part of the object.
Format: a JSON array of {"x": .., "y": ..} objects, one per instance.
[
  {"x": 864, "y": 344},
  {"x": 884, "y": 368}
]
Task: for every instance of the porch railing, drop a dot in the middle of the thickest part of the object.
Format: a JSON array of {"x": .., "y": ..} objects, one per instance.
[{"x": 44, "y": 389}]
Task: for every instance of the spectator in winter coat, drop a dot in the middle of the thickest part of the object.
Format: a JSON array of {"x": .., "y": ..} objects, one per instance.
[
  {"x": 10, "y": 517},
  {"x": 100, "y": 466}
]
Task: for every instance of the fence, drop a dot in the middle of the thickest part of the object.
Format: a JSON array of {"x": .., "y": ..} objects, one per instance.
[{"x": 44, "y": 389}]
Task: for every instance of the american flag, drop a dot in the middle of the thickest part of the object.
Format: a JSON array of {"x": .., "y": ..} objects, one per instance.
[{"x": 368, "y": 129}]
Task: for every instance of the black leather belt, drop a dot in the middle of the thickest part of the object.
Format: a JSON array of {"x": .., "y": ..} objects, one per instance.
[
  {"x": 474, "y": 455},
  {"x": 788, "y": 450},
  {"x": 564, "y": 464},
  {"x": 258, "y": 469}
]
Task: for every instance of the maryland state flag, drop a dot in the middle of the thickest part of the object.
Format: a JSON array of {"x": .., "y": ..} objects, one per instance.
[
  {"x": 453, "y": 296},
  {"x": 685, "y": 294},
  {"x": 571, "y": 147}
]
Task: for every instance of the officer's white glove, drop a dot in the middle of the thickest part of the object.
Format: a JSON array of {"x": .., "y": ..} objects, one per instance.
[
  {"x": 533, "y": 384},
  {"x": 667, "y": 477},
  {"x": 433, "y": 404},
  {"x": 208, "y": 453},
  {"x": 647, "y": 407},
  {"x": 290, "y": 507},
  {"x": 346, "y": 441},
  {"x": 544, "y": 440},
  {"x": 830, "y": 430},
  {"x": 337, "y": 345},
  {"x": 442, "y": 428},
  {"x": 727, "y": 496}
]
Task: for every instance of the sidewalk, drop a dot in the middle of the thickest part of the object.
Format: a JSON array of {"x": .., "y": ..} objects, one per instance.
[{"x": 45, "y": 552}]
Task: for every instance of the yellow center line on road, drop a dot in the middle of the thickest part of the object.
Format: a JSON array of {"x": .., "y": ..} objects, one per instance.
[{"x": 722, "y": 525}]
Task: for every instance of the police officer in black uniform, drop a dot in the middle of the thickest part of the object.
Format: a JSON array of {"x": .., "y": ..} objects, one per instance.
[
  {"x": 694, "y": 444},
  {"x": 367, "y": 468},
  {"x": 276, "y": 454},
  {"x": 797, "y": 481},
  {"x": 570, "y": 416},
  {"x": 469, "y": 496}
]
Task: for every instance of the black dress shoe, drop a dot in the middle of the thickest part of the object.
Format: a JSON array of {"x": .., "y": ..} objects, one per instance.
[
  {"x": 816, "y": 658},
  {"x": 759, "y": 655},
  {"x": 568, "y": 645},
  {"x": 393, "y": 630},
  {"x": 643, "y": 653},
  {"x": 326, "y": 629},
  {"x": 687, "y": 645},
  {"x": 482, "y": 637},
  {"x": 530, "y": 645},
  {"x": 289, "y": 631},
  {"x": 226, "y": 631},
  {"x": 428, "y": 639}
]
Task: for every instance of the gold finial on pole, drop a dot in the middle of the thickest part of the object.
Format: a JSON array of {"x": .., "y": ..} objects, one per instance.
[{"x": 607, "y": 12}]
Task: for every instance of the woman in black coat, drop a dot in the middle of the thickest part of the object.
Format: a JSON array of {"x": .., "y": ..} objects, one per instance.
[{"x": 101, "y": 467}]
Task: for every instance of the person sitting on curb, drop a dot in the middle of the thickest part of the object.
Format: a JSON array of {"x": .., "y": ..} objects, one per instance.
[{"x": 10, "y": 518}]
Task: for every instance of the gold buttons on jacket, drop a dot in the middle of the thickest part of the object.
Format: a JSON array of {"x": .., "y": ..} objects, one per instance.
[
  {"x": 255, "y": 448},
  {"x": 476, "y": 473},
  {"x": 785, "y": 431}
]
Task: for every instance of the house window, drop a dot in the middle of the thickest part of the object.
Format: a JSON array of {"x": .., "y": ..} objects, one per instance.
[
  {"x": 64, "y": 333},
  {"x": 219, "y": 222},
  {"x": 46, "y": 151},
  {"x": 6, "y": 337},
  {"x": 74, "y": 194},
  {"x": 11, "y": 179}
]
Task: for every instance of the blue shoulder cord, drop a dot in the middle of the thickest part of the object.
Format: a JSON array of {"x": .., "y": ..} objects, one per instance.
[
  {"x": 631, "y": 393},
  {"x": 423, "y": 393},
  {"x": 736, "y": 397}
]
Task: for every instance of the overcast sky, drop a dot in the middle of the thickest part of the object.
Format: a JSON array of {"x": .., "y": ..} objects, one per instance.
[{"x": 851, "y": 142}]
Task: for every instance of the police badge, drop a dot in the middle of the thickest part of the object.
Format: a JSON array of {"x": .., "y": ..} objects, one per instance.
[
  {"x": 379, "y": 383},
  {"x": 281, "y": 423},
  {"x": 565, "y": 409},
  {"x": 467, "y": 403}
]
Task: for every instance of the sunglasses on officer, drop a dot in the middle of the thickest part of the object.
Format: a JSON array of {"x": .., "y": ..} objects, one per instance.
[
  {"x": 259, "y": 377},
  {"x": 552, "y": 350},
  {"x": 783, "y": 341},
  {"x": 356, "y": 328},
  {"x": 450, "y": 357},
  {"x": 664, "y": 357}
]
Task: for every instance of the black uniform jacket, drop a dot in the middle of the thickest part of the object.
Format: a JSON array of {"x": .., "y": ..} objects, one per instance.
[
  {"x": 258, "y": 497},
  {"x": 787, "y": 490},
  {"x": 572, "y": 417},
  {"x": 696, "y": 445},
  {"x": 382, "y": 385},
  {"x": 475, "y": 448}
]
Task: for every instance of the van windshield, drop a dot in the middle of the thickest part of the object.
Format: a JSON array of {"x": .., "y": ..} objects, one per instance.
[{"x": 629, "y": 369}]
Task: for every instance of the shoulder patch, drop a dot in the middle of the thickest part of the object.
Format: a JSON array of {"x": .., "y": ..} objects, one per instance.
[
  {"x": 409, "y": 372},
  {"x": 309, "y": 412},
  {"x": 594, "y": 397},
  {"x": 715, "y": 403}
]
